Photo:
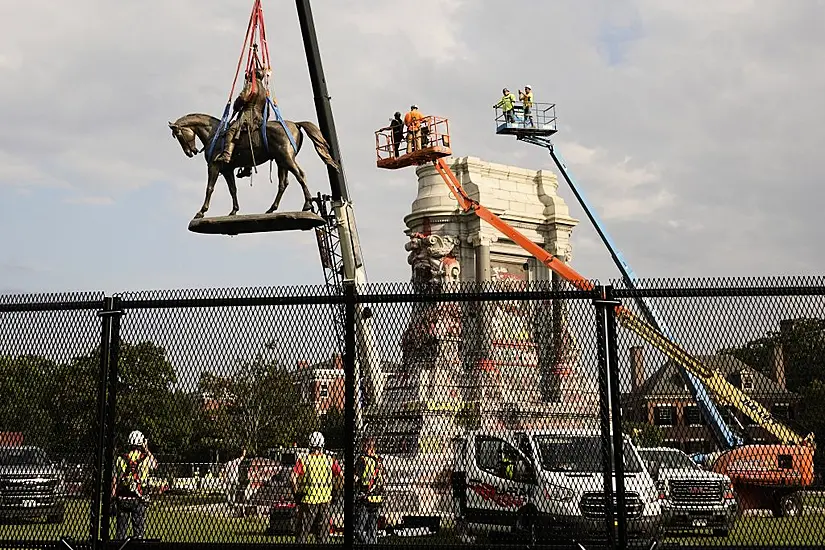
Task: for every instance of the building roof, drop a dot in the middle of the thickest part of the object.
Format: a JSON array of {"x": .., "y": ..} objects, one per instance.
[{"x": 667, "y": 381}]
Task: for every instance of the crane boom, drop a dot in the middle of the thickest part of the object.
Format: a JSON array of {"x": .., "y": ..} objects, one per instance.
[
  {"x": 724, "y": 390},
  {"x": 350, "y": 265}
]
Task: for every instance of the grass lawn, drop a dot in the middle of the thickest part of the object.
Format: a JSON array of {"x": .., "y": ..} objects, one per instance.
[
  {"x": 769, "y": 531},
  {"x": 204, "y": 519},
  {"x": 173, "y": 519}
]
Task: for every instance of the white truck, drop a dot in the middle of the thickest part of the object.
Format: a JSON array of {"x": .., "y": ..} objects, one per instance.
[
  {"x": 692, "y": 498},
  {"x": 548, "y": 484}
]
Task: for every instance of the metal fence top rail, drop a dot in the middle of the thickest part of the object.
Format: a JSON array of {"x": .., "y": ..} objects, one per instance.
[{"x": 405, "y": 292}]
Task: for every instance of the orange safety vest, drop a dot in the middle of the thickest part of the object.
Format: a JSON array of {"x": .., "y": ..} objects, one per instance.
[{"x": 413, "y": 120}]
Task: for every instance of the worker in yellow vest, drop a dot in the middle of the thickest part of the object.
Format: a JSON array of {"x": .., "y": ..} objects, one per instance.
[
  {"x": 526, "y": 98},
  {"x": 507, "y": 104},
  {"x": 313, "y": 477},
  {"x": 369, "y": 487}
]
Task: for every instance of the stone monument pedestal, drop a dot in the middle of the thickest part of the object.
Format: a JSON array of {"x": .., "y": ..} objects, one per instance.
[{"x": 499, "y": 365}]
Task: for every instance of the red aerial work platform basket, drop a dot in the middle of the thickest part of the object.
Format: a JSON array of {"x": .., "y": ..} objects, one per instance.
[{"x": 435, "y": 143}]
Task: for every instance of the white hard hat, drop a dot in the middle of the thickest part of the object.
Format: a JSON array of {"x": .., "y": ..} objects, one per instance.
[
  {"x": 316, "y": 439},
  {"x": 413, "y": 106},
  {"x": 528, "y": 86},
  {"x": 136, "y": 438}
]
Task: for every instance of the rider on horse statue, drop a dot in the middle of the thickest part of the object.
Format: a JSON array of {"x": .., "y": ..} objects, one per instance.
[{"x": 250, "y": 102}]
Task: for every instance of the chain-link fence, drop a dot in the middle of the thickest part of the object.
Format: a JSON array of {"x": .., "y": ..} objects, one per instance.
[{"x": 521, "y": 414}]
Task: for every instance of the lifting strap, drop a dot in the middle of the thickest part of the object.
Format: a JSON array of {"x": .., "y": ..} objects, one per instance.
[{"x": 253, "y": 62}]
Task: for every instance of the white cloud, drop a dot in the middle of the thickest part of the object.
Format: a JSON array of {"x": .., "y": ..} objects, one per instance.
[
  {"x": 91, "y": 201},
  {"x": 694, "y": 128}
]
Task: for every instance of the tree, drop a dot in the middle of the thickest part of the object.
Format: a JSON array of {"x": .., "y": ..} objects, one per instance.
[
  {"x": 28, "y": 387},
  {"x": 259, "y": 406},
  {"x": 643, "y": 434},
  {"x": 803, "y": 348}
]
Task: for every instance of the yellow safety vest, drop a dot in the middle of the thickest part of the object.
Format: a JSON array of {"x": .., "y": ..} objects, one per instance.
[
  {"x": 372, "y": 478},
  {"x": 317, "y": 479},
  {"x": 507, "y": 102},
  {"x": 528, "y": 99}
]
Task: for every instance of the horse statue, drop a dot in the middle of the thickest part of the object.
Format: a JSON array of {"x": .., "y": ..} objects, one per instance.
[{"x": 250, "y": 152}]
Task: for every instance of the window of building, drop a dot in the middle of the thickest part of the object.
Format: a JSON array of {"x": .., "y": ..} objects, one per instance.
[
  {"x": 782, "y": 411},
  {"x": 693, "y": 416},
  {"x": 747, "y": 380},
  {"x": 664, "y": 415},
  {"x": 323, "y": 390}
]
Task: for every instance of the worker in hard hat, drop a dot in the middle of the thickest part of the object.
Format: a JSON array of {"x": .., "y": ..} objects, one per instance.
[
  {"x": 369, "y": 486},
  {"x": 507, "y": 104},
  {"x": 526, "y": 98},
  {"x": 413, "y": 120},
  {"x": 313, "y": 477},
  {"x": 130, "y": 485},
  {"x": 397, "y": 127}
]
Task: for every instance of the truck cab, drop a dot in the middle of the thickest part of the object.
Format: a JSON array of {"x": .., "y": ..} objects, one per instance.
[
  {"x": 545, "y": 483},
  {"x": 692, "y": 498}
]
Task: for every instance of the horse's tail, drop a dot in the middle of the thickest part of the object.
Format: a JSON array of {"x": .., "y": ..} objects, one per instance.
[{"x": 321, "y": 145}]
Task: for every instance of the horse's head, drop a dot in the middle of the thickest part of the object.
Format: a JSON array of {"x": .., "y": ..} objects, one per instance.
[{"x": 186, "y": 137}]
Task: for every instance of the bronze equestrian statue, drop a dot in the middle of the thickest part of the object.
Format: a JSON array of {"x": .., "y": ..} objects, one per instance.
[{"x": 203, "y": 127}]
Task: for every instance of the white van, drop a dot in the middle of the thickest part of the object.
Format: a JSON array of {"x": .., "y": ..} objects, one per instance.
[{"x": 546, "y": 483}]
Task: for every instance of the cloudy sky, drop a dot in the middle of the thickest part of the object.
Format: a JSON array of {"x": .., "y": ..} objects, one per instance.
[{"x": 696, "y": 131}]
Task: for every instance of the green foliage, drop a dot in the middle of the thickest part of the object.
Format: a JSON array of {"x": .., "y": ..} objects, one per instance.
[
  {"x": 803, "y": 347},
  {"x": 28, "y": 386},
  {"x": 642, "y": 434},
  {"x": 258, "y": 407},
  {"x": 813, "y": 415}
]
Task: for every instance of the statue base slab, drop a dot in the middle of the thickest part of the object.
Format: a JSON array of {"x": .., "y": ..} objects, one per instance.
[{"x": 256, "y": 223}]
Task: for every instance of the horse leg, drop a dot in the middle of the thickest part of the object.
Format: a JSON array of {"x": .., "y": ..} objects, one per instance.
[
  {"x": 210, "y": 186},
  {"x": 283, "y": 182},
  {"x": 293, "y": 167},
  {"x": 229, "y": 176}
]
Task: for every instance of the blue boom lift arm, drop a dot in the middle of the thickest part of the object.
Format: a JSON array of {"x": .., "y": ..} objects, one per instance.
[{"x": 724, "y": 435}]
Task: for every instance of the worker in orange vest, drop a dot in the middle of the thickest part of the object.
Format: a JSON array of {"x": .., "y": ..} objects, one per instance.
[{"x": 413, "y": 120}]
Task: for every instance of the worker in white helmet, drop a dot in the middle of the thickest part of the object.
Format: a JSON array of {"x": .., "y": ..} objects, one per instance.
[
  {"x": 413, "y": 120},
  {"x": 130, "y": 485},
  {"x": 313, "y": 478},
  {"x": 526, "y": 98}
]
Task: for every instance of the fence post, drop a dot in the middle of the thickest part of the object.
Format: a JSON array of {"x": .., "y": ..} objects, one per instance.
[
  {"x": 100, "y": 422},
  {"x": 599, "y": 302},
  {"x": 614, "y": 383},
  {"x": 349, "y": 413},
  {"x": 112, "y": 314}
]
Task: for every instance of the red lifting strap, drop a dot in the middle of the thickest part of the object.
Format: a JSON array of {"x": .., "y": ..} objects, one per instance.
[{"x": 256, "y": 25}]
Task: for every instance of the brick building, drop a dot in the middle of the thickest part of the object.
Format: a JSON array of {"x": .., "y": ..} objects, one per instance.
[
  {"x": 663, "y": 400},
  {"x": 322, "y": 384}
]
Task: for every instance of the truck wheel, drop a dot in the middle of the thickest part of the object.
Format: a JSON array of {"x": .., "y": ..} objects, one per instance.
[
  {"x": 525, "y": 528},
  {"x": 790, "y": 505}
]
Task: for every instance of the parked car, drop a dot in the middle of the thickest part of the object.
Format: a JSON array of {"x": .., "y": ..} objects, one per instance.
[
  {"x": 31, "y": 485},
  {"x": 692, "y": 498},
  {"x": 546, "y": 484}
]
